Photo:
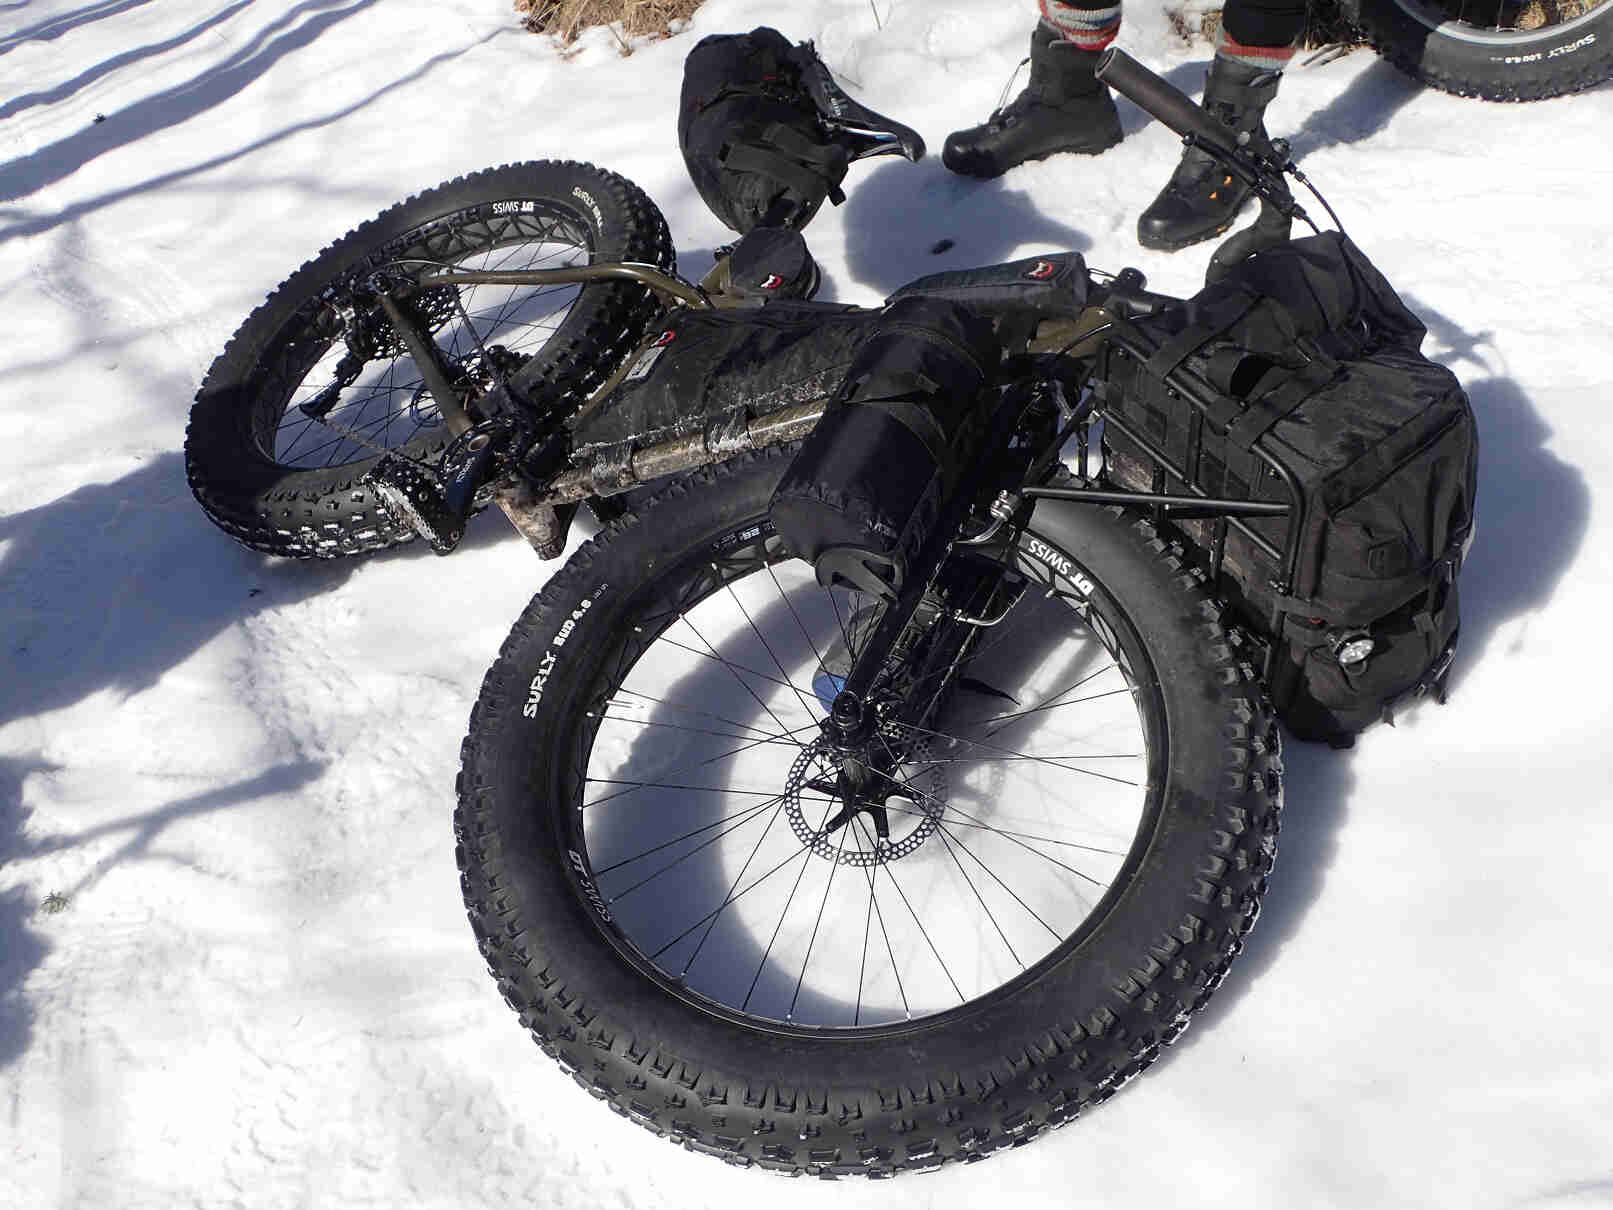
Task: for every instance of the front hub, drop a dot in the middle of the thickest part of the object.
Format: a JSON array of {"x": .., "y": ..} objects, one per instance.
[{"x": 865, "y": 806}]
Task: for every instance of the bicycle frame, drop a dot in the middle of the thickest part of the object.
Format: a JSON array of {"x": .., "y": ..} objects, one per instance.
[{"x": 725, "y": 436}]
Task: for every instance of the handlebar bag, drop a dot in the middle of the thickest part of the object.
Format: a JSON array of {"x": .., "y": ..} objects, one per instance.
[
  {"x": 1298, "y": 378},
  {"x": 865, "y": 490},
  {"x": 750, "y": 133}
]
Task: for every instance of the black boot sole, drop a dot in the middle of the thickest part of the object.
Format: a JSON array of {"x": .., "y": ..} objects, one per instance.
[
  {"x": 978, "y": 167},
  {"x": 1157, "y": 244}
]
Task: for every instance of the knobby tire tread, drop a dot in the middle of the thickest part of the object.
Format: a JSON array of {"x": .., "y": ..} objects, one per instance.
[
  {"x": 939, "y": 1116},
  {"x": 1445, "y": 68},
  {"x": 333, "y": 514}
]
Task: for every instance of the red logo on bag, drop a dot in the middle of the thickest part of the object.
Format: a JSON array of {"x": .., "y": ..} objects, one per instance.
[
  {"x": 773, "y": 282},
  {"x": 1044, "y": 269},
  {"x": 665, "y": 338}
]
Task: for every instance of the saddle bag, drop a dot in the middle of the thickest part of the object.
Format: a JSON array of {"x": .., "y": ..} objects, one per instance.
[
  {"x": 1297, "y": 380},
  {"x": 866, "y": 488},
  {"x": 749, "y": 131}
]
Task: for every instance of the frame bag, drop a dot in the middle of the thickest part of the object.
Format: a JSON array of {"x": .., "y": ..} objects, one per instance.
[
  {"x": 704, "y": 375},
  {"x": 1297, "y": 379}
]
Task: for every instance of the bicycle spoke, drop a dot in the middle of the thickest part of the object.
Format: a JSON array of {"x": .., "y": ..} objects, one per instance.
[
  {"x": 947, "y": 844},
  {"x": 795, "y": 856},
  {"x": 1043, "y": 760},
  {"x": 600, "y": 872},
  {"x": 976, "y": 859},
  {"x": 828, "y": 885},
  {"x": 733, "y": 887},
  {"x": 737, "y": 929},
  {"x": 768, "y": 647},
  {"x": 634, "y": 787},
  {"x": 729, "y": 664},
  {"x": 912, "y": 789},
  {"x": 758, "y": 809},
  {"x": 640, "y": 722},
  {"x": 784, "y": 596},
  {"x": 661, "y": 701},
  {"x": 890, "y": 950},
  {"x": 662, "y": 785},
  {"x": 774, "y": 938},
  {"x": 962, "y": 999},
  {"x": 986, "y": 827},
  {"x": 1049, "y": 703}
]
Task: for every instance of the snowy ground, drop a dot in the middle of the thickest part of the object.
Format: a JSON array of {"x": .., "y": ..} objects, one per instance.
[{"x": 238, "y": 772}]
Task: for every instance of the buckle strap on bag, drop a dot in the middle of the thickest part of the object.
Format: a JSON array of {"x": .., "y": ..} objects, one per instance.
[
  {"x": 1218, "y": 317},
  {"x": 1279, "y": 399},
  {"x": 810, "y": 169},
  {"x": 1441, "y": 576}
]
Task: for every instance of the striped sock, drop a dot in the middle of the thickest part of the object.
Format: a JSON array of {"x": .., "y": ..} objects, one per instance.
[
  {"x": 1263, "y": 58},
  {"x": 1089, "y": 26}
]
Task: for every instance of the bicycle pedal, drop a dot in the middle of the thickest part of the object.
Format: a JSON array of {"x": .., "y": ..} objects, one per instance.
[{"x": 412, "y": 495}]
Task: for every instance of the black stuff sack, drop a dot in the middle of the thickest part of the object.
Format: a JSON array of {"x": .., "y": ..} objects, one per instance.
[
  {"x": 866, "y": 488},
  {"x": 750, "y": 133}
]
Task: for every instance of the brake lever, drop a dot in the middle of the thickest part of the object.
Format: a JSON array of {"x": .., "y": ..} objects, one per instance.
[{"x": 1262, "y": 172}]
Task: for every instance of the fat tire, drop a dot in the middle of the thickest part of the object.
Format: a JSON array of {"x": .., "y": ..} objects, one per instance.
[
  {"x": 1508, "y": 66},
  {"x": 913, "y": 1098},
  {"x": 330, "y": 512}
]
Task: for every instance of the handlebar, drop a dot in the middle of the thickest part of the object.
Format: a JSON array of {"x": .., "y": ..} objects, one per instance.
[{"x": 1161, "y": 98}]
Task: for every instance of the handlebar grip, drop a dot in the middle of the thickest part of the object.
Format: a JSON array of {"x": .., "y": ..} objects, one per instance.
[{"x": 1162, "y": 99}]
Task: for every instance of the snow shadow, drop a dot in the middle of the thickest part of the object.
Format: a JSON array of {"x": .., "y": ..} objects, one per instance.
[
  {"x": 114, "y": 584},
  {"x": 897, "y": 216},
  {"x": 55, "y": 27},
  {"x": 25, "y": 949},
  {"x": 1366, "y": 106},
  {"x": 128, "y": 58},
  {"x": 173, "y": 106},
  {"x": 1533, "y": 509},
  {"x": 88, "y": 146},
  {"x": 1533, "y": 514}
]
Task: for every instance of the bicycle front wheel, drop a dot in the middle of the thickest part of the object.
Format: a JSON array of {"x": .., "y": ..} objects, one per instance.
[{"x": 671, "y": 884}]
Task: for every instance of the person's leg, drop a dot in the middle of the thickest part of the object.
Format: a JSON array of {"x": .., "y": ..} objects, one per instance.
[
  {"x": 1063, "y": 108},
  {"x": 1256, "y": 40}
]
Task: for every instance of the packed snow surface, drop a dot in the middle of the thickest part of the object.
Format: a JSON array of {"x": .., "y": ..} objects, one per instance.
[{"x": 237, "y": 772}]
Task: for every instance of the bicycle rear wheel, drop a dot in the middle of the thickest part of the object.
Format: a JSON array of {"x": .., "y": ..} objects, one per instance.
[{"x": 315, "y": 387}]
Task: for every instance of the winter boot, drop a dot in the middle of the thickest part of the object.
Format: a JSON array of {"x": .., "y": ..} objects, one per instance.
[
  {"x": 1063, "y": 108},
  {"x": 1202, "y": 199}
]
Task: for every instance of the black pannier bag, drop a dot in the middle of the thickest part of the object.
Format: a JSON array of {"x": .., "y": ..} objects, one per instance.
[
  {"x": 749, "y": 131},
  {"x": 708, "y": 373},
  {"x": 866, "y": 488},
  {"x": 1297, "y": 380}
]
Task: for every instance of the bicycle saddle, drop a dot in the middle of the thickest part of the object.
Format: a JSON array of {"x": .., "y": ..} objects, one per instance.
[{"x": 860, "y": 130}]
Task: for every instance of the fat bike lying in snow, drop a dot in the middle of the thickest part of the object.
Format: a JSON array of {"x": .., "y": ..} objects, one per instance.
[{"x": 904, "y": 774}]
